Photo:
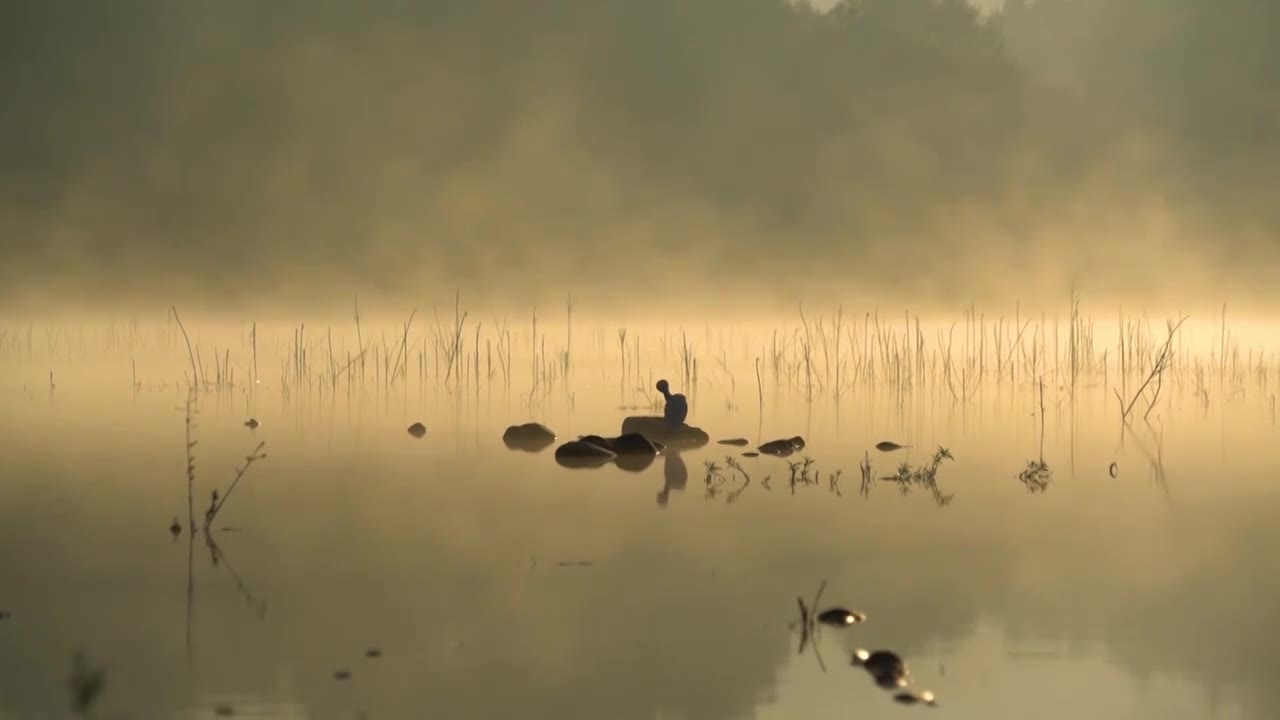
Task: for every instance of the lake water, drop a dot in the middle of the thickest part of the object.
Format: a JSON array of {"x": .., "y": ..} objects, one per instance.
[{"x": 497, "y": 584}]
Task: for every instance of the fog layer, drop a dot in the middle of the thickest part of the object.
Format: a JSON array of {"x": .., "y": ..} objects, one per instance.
[{"x": 233, "y": 152}]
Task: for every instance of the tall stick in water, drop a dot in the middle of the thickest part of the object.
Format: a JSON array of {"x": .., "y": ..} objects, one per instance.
[
  {"x": 568, "y": 343},
  {"x": 191, "y": 460},
  {"x": 253, "y": 335},
  {"x": 759, "y": 387},
  {"x": 195, "y": 374}
]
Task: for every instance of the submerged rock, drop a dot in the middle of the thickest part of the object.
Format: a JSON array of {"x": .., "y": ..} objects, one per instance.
[
  {"x": 888, "y": 446},
  {"x": 582, "y": 454},
  {"x": 740, "y": 442},
  {"x": 656, "y": 429},
  {"x": 417, "y": 429},
  {"x": 530, "y": 437},
  {"x": 252, "y": 423},
  {"x": 906, "y": 697},
  {"x": 782, "y": 448},
  {"x": 840, "y": 617},
  {"x": 887, "y": 669},
  {"x": 634, "y": 443},
  {"x": 598, "y": 441}
]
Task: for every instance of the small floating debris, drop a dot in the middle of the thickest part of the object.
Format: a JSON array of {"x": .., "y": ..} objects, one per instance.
[
  {"x": 224, "y": 711},
  {"x": 840, "y": 617},
  {"x": 341, "y": 674},
  {"x": 174, "y": 528},
  {"x": 1114, "y": 470},
  {"x": 252, "y": 423},
  {"x": 750, "y": 454},
  {"x": 735, "y": 441},
  {"x": 1037, "y": 476},
  {"x": 417, "y": 429},
  {"x": 887, "y": 446},
  {"x": 924, "y": 697},
  {"x": 373, "y": 653}
]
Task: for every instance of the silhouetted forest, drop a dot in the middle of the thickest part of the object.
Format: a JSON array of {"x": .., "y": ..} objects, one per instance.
[{"x": 889, "y": 141}]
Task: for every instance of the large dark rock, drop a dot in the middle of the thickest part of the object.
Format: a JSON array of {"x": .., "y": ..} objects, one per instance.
[
  {"x": 634, "y": 452},
  {"x": 582, "y": 454},
  {"x": 656, "y": 430},
  {"x": 626, "y": 444},
  {"x": 530, "y": 437}
]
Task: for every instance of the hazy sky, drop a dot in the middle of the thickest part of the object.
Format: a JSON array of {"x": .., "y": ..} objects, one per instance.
[{"x": 901, "y": 150}]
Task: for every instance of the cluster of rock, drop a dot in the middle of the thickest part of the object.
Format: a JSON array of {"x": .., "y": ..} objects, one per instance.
[{"x": 642, "y": 439}]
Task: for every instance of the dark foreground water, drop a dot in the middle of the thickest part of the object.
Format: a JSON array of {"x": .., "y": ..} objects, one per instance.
[{"x": 496, "y": 584}]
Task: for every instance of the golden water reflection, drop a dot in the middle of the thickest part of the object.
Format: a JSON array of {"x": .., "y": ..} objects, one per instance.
[{"x": 498, "y": 584}]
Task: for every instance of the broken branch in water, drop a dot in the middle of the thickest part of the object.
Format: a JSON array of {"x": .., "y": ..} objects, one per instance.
[
  {"x": 1163, "y": 361},
  {"x": 216, "y": 503}
]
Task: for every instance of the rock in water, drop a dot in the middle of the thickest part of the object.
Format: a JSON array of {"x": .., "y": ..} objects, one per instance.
[
  {"x": 582, "y": 454},
  {"x": 530, "y": 437},
  {"x": 886, "y": 668},
  {"x": 634, "y": 444},
  {"x": 906, "y": 697},
  {"x": 417, "y": 429},
  {"x": 839, "y": 617},
  {"x": 783, "y": 448},
  {"x": 735, "y": 441},
  {"x": 887, "y": 446},
  {"x": 657, "y": 430}
]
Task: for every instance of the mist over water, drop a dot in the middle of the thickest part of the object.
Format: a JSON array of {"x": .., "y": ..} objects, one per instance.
[{"x": 229, "y": 155}]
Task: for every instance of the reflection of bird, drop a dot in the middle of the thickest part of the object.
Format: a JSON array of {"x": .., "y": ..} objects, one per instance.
[
  {"x": 674, "y": 476},
  {"x": 677, "y": 408}
]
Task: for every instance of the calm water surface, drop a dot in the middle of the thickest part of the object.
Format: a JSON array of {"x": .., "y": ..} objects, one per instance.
[{"x": 498, "y": 584}]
